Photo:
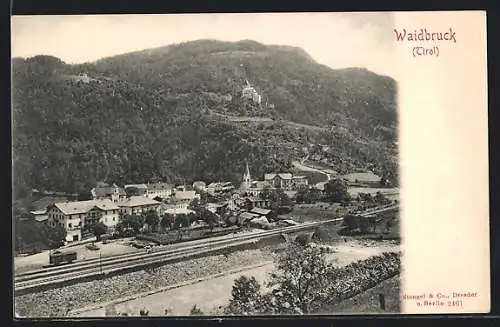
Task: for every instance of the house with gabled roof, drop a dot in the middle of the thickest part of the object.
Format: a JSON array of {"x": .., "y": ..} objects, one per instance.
[
  {"x": 135, "y": 205},
  {"x": 76, "y": 216}
]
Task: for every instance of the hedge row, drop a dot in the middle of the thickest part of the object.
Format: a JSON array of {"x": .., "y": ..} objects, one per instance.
[{"x": 170, "y": 238}]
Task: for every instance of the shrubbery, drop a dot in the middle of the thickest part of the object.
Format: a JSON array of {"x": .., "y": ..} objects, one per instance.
[
  {"x": 185, "y": 235},
  {"x": 304, "y": 282}
]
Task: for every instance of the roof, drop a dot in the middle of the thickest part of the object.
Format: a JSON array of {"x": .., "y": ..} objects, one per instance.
[
  {"x": 137, "y": 201},
  {"x": 136, "y": 186},
  {"x": 199, "y": 183},
  {"x": 220, "y": 184},
  {"x": 260, "y": 211},
  {"x": 248, "y": 215},
  {"x": 43, "y": 203},
  {"x": 299, "y": 177},
  {"x": 362, "y": 177},
  {"x": 39, "y": 212},
  {"x": 185, "y": 195},
  {"x": 71, "y": 208},
  {"x": 282, "y": 176},
  {"x": 42, "y": 218}
]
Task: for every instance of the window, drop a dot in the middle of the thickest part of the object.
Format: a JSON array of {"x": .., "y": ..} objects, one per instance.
[
  {"x": 69, "y": 225},
  {"x": 113, "y": 218}
]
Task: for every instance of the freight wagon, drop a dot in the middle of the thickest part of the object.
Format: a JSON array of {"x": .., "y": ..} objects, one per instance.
[{"x": 58, "y": 257}]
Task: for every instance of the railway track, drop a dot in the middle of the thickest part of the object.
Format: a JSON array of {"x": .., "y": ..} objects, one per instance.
[{"x": 32, "y": 281}]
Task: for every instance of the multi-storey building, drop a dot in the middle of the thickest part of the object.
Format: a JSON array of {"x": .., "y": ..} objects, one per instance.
[
  {"x": 136, "y": 205},
  {"x": 74, "y": 217}
]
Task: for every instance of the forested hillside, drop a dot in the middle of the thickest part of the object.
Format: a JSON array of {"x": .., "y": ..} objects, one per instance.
[{"x": 145, "y": 116}]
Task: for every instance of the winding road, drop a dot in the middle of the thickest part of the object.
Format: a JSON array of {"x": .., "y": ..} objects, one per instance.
[{"x": 300, "y": 165}]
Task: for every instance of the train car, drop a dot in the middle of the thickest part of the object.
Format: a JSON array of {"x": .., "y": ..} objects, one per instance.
[{"x": 58, "y": 257}]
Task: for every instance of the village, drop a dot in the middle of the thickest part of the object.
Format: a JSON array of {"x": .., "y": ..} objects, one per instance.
[
  {"x": 262, "y": 204},
  {"x": 110, "y": 203}
]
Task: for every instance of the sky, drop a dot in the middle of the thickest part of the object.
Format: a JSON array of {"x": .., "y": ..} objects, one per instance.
[{"x": 338, "y": 40}]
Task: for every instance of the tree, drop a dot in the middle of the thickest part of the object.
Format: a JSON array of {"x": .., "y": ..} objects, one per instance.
[
  {"x": 308, "y": 195},
  {"x": 195, "y": 311},
  {"x": 350, "y": 222},
  {"x": 152, "y": 220},
  {"x": 380, "y": 198},
  {"x": 366, "y": 197},
  {"x": 196, "y": 206},
  {"x": 99, "y": 229},
  {"x": 302, "y": 281},
  {"x": 56, "y": 236},
  {"x": 167, "y": 221},
  {"x": 30, "y": 236},
  {"x": 388, "y": 225},
  {"x": 132, "y": 223},
  {"x": 245, "y": 297},
  {"x": 276, "y": 197},
  {"x": 336, "y": 191},
  {"x": 132, "y": 191},
  {"x": 208, "y": 217},
  {"x": 181, "y": 220}
]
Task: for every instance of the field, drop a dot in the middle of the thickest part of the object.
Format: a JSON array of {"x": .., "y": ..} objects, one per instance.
[
  {"x": 313, "y": 177},
  {"x": 365, "y": 177},
  {"x": 354, "y": 191},
  {"x": 315, "y": 212}
]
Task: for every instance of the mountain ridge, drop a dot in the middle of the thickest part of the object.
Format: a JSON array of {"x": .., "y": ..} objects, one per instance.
[{"x": 144, "y": 115}]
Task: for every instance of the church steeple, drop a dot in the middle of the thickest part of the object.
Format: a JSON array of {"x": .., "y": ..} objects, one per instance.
[{"x": 247, "y": 179}]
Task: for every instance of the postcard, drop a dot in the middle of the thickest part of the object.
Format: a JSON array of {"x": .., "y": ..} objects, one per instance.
[{"x": 250, "y": 164}]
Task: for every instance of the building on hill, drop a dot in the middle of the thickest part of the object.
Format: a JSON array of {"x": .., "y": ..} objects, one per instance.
[
  {"x": 136, "y": 205},
  {"x": 74, "y": 217},
  {"x": 111, "y": 192},
  {"x": 251, "y": 94}
]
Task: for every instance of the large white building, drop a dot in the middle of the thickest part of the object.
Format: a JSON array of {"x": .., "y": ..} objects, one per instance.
[
  {"x": 250, "y": 93},
  {"x": 75, "y": 216}
]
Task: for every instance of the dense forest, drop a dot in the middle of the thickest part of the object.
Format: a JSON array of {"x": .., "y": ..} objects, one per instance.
[{"x": 146, "y": 116}]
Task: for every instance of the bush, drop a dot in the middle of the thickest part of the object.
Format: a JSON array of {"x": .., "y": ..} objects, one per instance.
[
  {"x": 195, "y": 311},
  {"x": 180, "y": 236},
  {"x": 305, "y": 283}
]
